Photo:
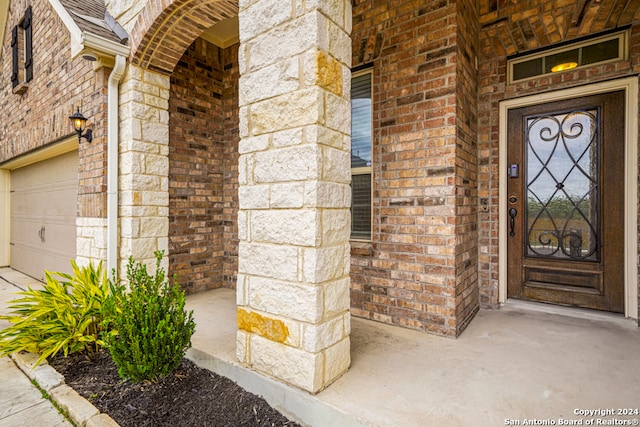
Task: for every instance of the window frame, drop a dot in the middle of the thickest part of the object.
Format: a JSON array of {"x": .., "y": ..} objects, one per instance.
[
  {"x": 364, "y": 170},
  {"x": 623, "y": 54}
]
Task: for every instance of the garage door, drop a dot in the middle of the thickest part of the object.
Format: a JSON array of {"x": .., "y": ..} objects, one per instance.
[{"x": 43, "y": 215}]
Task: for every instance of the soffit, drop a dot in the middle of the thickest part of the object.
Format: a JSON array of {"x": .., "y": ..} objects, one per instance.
[{"x": 223, "y": 33}]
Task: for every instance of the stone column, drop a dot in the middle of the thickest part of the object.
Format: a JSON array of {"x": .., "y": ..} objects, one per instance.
[
  {"x": 144, "y": 166},
  {"x": 294, "y": 177}
]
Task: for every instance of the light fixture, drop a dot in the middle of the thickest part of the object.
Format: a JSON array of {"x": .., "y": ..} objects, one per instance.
[
  {"x": 79, "y": 123},
  {"x": 90, "y": 57},
  {"x": 564, "y": 66}
]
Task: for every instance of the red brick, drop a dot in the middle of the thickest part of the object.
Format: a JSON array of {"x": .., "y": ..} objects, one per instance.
[
  {"x": 421, "y": 130},
  {"x": 202, "y": 153}
]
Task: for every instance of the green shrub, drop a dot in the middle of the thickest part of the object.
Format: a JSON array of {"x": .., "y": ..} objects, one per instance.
[
  {"x": 67, "y": 314},
  {"x": 153, "y": 329}
]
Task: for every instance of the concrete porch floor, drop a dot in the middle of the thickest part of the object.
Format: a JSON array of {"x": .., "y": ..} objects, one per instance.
[{"x": 521, "y": 362}]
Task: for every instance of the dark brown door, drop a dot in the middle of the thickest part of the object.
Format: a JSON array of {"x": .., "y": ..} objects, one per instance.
[{"x": 565, "y": 205}]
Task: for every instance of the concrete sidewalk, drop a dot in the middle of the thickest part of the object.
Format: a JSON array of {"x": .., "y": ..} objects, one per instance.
[{"x": 21, "y": 403}]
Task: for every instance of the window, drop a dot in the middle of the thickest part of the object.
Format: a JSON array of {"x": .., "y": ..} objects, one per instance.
[
  {"x": 608, "y": 48},
  {"x": 22, "y": 53},
  {"x": 361, "y": 137}
]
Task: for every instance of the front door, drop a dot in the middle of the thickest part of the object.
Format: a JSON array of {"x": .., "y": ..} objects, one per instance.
[{"x": 565, "y": 202}]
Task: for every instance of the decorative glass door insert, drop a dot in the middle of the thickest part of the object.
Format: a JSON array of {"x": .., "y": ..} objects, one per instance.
[{"x": 562, "y": 202}]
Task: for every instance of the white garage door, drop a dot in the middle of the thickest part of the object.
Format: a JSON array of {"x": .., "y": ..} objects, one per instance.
[{"x": 43, "y": 215}]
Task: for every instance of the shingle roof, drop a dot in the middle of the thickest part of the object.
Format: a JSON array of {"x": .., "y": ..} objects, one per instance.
[{"x": 91, "y": 16}]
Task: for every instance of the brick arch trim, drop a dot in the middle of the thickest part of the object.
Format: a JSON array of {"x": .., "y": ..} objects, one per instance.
[
  {"x": 166, "y": 28},
  {"x": 508, "y": 28}
]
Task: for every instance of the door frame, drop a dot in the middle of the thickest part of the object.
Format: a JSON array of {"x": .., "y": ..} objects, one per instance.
[{"x": 630, "y": 86}]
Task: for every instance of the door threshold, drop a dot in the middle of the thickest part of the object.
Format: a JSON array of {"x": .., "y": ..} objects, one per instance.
[{"x": 576, "y": 312}]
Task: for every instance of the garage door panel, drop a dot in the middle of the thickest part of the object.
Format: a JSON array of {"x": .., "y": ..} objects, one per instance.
[
  {"x": 43, "y": 215},
  {"x": 54, "y": 200}
]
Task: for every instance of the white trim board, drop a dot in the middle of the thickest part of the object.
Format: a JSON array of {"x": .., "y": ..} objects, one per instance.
[{"x": 630, "y": 86}]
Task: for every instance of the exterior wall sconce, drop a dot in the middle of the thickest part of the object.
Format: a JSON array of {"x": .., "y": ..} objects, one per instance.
[{"x": 79, "y": 124}]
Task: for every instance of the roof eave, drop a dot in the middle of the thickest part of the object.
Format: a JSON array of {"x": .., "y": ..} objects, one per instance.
[
  {"x": 94, "y": 43},
  {"x": 83, "y": 42}
]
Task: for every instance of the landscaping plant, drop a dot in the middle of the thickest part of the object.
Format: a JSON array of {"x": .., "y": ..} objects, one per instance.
[
  {"x": 151, "y": 328},
  {"x": 66, "y": 315}
]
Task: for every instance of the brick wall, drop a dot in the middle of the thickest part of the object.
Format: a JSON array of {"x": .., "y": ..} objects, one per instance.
[
  {"x": 230, "y": 182},
  {"x": 507, "y": 29},
  {"x": 203, "y": 140},
  {"x": 466, "y": 164},
  {"x": 39, "y": 116},
  {"x": 419, "y": 270},
  {"x": 92, "y": 188}
]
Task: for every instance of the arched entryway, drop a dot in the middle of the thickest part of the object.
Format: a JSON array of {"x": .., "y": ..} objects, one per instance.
[{"x": 285, "y": 196}]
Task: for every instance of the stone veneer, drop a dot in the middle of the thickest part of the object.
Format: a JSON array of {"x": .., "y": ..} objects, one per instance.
[
  {"x": 294, "y": 175},
  {"x": 144, "y": 165},
  {"x": 91, "y": 240}
]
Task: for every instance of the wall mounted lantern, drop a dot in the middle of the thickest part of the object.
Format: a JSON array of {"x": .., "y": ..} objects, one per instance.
[{"x": 79, "y": 124}]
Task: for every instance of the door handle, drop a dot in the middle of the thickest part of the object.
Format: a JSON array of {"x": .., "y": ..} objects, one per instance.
[{"x": 512, "y": 221}]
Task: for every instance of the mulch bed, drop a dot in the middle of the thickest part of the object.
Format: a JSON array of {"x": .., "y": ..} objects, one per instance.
[{"x": 191, "y": 396}]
